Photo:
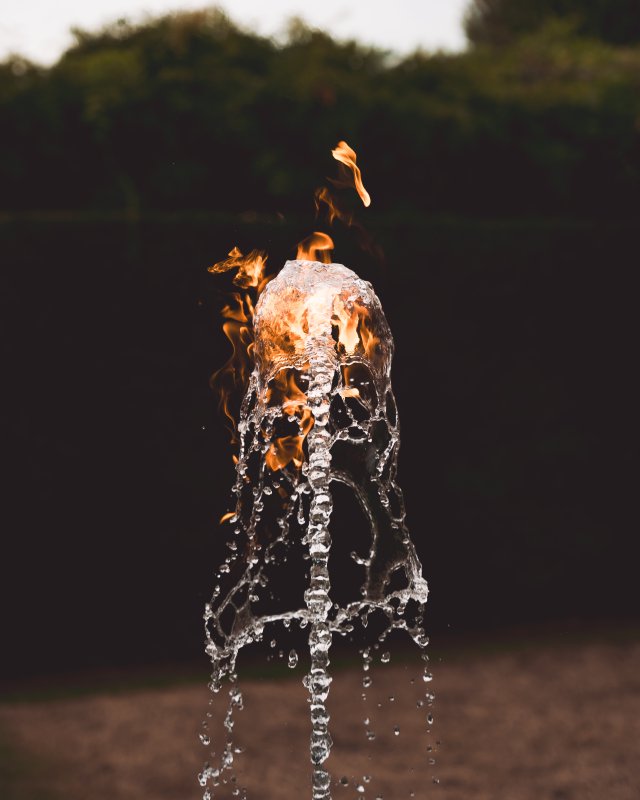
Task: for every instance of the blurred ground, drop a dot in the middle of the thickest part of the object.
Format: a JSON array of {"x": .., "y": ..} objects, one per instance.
[{"x": 553, "y": 720}]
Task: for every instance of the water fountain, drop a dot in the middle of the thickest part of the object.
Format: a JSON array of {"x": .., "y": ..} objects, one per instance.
[{"x": 319, "y": 411}]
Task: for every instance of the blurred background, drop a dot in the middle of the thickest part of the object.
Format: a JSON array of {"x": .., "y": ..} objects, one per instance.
[{"x": 500, "y": 142}]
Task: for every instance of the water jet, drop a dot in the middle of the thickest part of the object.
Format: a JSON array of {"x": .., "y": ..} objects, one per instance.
[{"x": 319, "y": 411}]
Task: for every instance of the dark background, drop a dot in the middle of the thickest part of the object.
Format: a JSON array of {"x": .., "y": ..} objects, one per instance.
[{"x": 505, "y": 187}]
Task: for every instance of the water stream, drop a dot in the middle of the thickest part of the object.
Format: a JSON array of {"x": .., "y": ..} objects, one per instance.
[{"x": 319, "y": 412}]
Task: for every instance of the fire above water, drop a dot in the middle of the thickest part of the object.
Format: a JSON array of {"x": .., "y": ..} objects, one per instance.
[
  {"x": 313, "y": 357},
  {"x": 239, "y": 312}
]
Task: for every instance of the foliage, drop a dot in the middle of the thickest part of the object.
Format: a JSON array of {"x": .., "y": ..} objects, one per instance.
[
  {"x": 189, "y": 111},
  {"x": 497, "y": 22}
]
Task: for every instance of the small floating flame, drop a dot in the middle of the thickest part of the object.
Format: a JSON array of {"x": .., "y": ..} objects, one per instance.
[{"x": 347, "y": 155}]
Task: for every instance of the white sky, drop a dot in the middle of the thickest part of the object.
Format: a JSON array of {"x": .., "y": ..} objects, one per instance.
[{"x": 39, "y": 29}]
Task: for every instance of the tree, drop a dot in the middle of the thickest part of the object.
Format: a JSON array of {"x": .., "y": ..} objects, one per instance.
[{"x": 498, "y": 22}]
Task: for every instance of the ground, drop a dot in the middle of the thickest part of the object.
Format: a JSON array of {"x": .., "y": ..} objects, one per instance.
[{"x": 552, "y": 720}]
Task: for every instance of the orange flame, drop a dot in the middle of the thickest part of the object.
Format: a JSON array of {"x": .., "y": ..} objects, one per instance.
[
  {"x": 285, "y": 392},
  {"x": 323, "y": 195},
  {"x": 368, "y": 337},
  {"x": 347, "y": 324},
  {"x": 347, "y": 156},
  {"x": 348, "y": 390},
  {"x": 285, "y": 450},
  {"x": 234, "y": 374},
  {"x": 352, "y": 177},
  {"x": 353, "y": 328},
  {"x": 250, "y": 267},
  {"x": 288, "y": 449},
  {"x": 316, "y": 247},
  {"x": 236, "y": 313}
]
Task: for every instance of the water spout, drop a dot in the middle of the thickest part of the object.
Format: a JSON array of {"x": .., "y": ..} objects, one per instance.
[{"x": 319, "y": 410}]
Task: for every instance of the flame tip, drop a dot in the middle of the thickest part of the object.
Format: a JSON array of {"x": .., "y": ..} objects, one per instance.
[{"x": 347, "y": 155}]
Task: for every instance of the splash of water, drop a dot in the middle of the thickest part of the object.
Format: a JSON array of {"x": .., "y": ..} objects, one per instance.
[{"x": 321, "y": 330}]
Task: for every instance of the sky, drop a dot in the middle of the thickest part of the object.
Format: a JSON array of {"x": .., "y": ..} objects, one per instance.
[{"x": 39, "y": 29}]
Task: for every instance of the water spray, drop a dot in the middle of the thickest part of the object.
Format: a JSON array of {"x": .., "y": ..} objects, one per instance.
[{"x": 319, "y": 410}]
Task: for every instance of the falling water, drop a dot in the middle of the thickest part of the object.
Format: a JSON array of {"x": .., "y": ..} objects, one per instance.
[{"x": 319, "y": 410}]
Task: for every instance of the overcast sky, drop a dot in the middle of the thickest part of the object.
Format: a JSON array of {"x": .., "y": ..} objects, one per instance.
[{"x": 39, "y": 29}]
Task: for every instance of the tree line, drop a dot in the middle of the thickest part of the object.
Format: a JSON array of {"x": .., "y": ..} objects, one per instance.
[{"x": 541, "y": 115}]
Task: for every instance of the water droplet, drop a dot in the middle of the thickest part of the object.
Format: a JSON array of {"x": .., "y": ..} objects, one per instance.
[
  {"x": 396, "y": 731},
  {"x": 421, "y": 639},
  {"x": 385, "y": 658},
  {"x": 293, "y": 659},
  {"x": 205, "y": 739},
  {"x": 366, "y": 681},
  {"x": 344, "y": 781}
]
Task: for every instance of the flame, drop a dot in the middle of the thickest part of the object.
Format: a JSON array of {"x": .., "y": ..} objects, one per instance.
[
  {"x": 284, "y": 391},
  {"x": 347, "y": 156},
  {"x": 227, "y": 516},
  {"x": 234, "y": 374},
  {"x": 351, "y": 322},
  {"x": 354, "y": 328},
  {"x": 347, "y": 390},
  {"x": 238, "y": 313},
  {"x": 316, "y": 247},
  {"x": 323, "y": 195},
  {"x": 285, "y": 450},
  {"x": 352, "y": 177},
  {"x": 347, "y": 324},
  {"x": 288, "y": 449},
  {"x": 368, "y": 337},
  {"x": 250, "y": 267}
]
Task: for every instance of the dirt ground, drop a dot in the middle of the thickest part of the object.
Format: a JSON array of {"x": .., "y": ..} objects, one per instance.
[{"x": 557, "y": 722}]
